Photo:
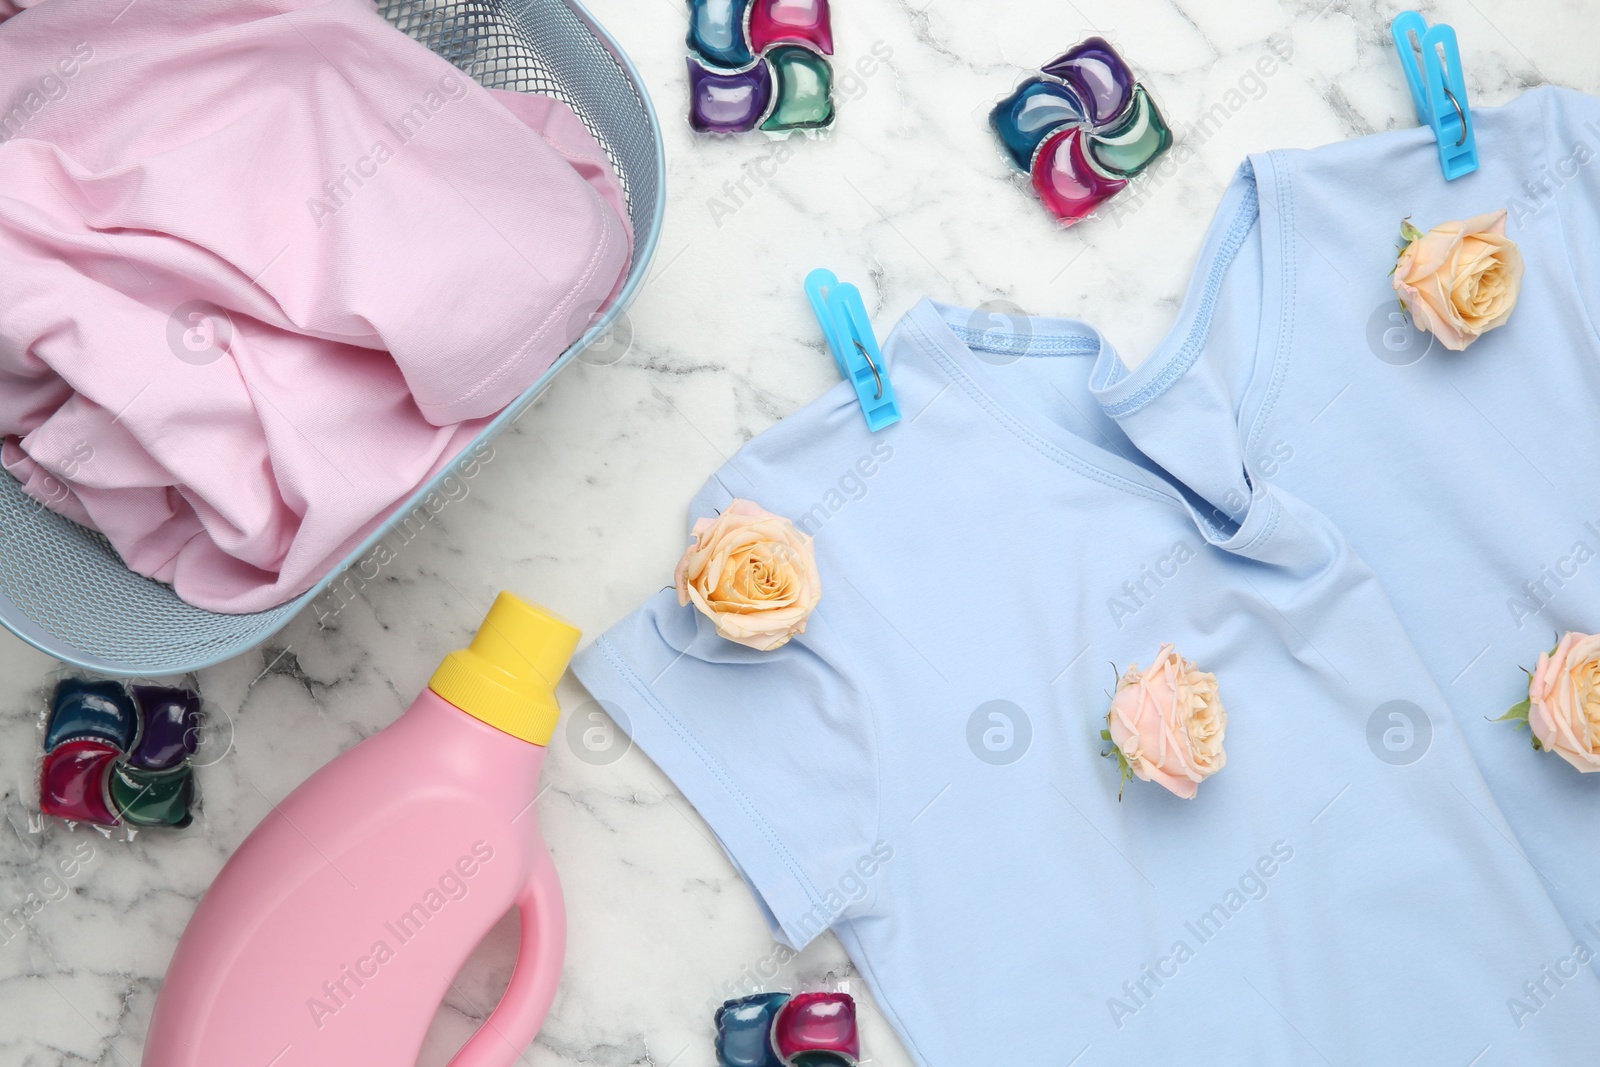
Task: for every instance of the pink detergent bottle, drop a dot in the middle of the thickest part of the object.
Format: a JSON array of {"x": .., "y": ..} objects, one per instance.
[{"x": 332, "y": 934}]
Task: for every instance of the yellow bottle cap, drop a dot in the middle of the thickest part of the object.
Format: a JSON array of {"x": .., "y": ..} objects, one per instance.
[{"x": 507, "y": 677}]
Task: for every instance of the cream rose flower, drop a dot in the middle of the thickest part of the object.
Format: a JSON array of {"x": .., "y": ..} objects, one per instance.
[
  {"x": 1460, "y": 279},
  {"x": 1166, "y": 724},
  {"x": 752, "y": 573},
  {"x": 1563, "y": 705}
]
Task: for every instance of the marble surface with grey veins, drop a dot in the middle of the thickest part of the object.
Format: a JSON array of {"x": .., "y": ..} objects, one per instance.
[{"x": 583, "y": 504}]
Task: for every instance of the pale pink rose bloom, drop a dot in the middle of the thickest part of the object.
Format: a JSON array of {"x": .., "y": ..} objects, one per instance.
[
  {"x": 1460, "y": 279},
  {"x": 752, "y": 573},
  {"x": 1168, "y": 722},
  {"x": 1564, "y": 701}
]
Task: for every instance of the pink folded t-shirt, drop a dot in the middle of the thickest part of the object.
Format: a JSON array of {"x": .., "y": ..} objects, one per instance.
[{"x": 266, "y": 266}]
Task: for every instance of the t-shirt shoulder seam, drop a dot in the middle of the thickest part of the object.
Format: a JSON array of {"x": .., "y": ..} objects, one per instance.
[
  {"x": 1283, "y": 193},
  {"x": 1178, "y": 364}
]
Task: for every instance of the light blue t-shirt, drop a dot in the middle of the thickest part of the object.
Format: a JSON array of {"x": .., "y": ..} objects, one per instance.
[
  {"x": 921, "y": 771},
  {"x": 1468, "y": 481}
]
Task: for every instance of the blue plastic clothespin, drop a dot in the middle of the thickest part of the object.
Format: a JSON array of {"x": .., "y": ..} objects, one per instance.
[
  {"x": 855, "y": 350},
  {"x": 1433, "y": 71}
]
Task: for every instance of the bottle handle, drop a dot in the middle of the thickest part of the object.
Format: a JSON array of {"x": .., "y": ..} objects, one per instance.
[{"x": 515, "y": 1021}]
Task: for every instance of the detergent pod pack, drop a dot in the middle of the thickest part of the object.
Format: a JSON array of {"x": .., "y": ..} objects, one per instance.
[
  {"x": 1080, "y": 129},
  {"x": 119, "y": 755},
  {"x": 760, "y": 65},
  {"x": 779, "y": 1029}
]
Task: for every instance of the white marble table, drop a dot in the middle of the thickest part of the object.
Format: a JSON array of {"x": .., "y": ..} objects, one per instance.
[{"x": 583, "y": 506}]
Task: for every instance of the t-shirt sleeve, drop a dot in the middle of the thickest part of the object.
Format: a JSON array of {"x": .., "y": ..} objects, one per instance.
[
  {"x": 776, "y": 750},
  {"x": 1572, "y": 177}
]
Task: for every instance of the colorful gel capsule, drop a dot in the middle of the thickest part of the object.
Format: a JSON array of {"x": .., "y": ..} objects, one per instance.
[
  {"x": 716, "y": 32},
  {"x": 72, "y": 783},
  {"x": 820, "y": 1059},
  {"x": 817, "y": 1022},
  {"x": 728, "y": 103},
  {"x": 1069, "y": 187},
  {"x": 153, "y": 798},
  {"x": 1025, "y": 118},
  {"x": 171, "y": 726},
  {"x": 794, "y": 21},
  {"x": 1099, "y": 77},
  {"x": 743, "y": 1029},
  {"x": 804, "y": 95},
  {"x": 1133, "y": 143},
  {"x": 81, "y": 708}
]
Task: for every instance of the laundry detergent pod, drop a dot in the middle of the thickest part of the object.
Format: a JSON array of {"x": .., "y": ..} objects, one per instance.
[
  {"x": 119, "y": 755},
  {"x": 744, "y": 1031},
  {"x": 817, "y": 1024},
  {"x": 760, "y": 65},
  {"x": 1080, "y": 129}
]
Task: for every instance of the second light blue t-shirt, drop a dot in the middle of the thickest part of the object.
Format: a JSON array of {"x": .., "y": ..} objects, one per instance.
[
  {"x": 1469, "y": 481},
  {"x": 921, "y": 771}
]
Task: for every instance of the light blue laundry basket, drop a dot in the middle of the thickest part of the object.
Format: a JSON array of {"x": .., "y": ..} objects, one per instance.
[{"x": 62, "y": 587}]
